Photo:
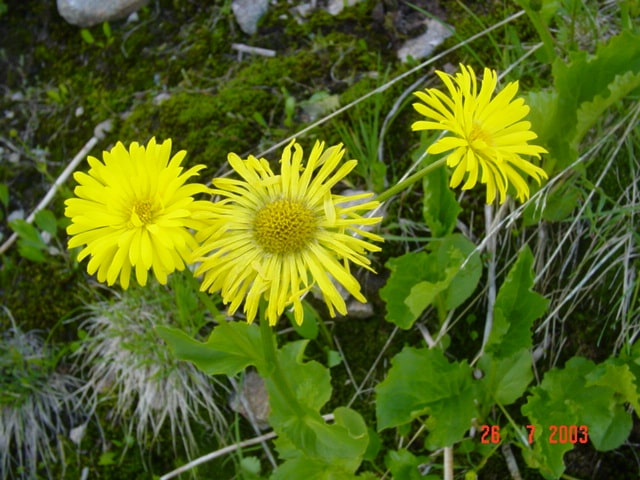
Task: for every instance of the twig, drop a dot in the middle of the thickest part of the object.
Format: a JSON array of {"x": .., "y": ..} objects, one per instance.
[
  {"x": 98, "y": 134},
  {"x": 242, "y": 48}
]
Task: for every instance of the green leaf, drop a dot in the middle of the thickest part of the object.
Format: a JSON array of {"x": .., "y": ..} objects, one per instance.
[
  {"x": 620, "y": 55},
  {"x": 515, "y": 310},
  {"x": 562, "y": 201},
  {"x": 231, "y": 347},
  {"x": 250, "y": 468},
  {"x": 311, "y": 469},
  {"x": 632, "y": 360},
  {"x": 546, "y": 407},
  {"x": 562, "y": 117},
  {"x": 406, "y": 271},
  {"x": 423, "y": 382},
  {"x": 423, "y": 294},
  {"x": 28, "y": 233},
  {"x": 333, "y": 358},
  {"x": 310, "y": 382},
  {"x": 87, "y": 37},
  {"x": 374, "y": 446},
  {"x": 420, "y": 279},
  {"x": 46, "y": 220},
  {"x": 107, "y": 458},
  {"x": 506, "y": 379},
  {"x": 466, "y": 280},
  {"x": 106, "y": 29},
  {"x": 543, "y": 115},
  {"x": 608, "y": 421},
  {"x": 309, "y": 327},
  {"x": 257, "y": 116},
  {"x": 589, "y": 112},
  {"x": 31, "y": 253},
  {"x": 30, "y": 243},
  {"x": 404, "y": 465},
  {"x": 579, "y": 394},
  {"x": 439, "y": 206},
  {"x": 342, "y": 443},
  {"x": 618, "y": 376}
]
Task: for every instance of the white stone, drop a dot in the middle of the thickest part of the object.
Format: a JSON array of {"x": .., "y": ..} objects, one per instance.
[
  {"x": 77, "y": 434},
  {"x": 337, "y": 6},
  {"x": 425, "y": 44},
  {"x": 248, "y": 12},
  {"x": 86, "y": 13}
]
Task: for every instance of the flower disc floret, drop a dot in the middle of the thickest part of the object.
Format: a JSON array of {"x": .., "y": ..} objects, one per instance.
[
  {"x": 284, "y": 226},
  {"x": 274, "y": 237},
  {"x": 485, "y": 134},
  {"x": 134, "y": 211}
]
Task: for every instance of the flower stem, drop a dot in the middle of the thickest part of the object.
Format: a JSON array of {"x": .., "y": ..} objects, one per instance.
[
  {"x": 390, "y": 192},
  {"x": 274, "y": 369}
]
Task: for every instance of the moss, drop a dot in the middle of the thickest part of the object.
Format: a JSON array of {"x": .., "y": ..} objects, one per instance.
[{"x": 39, "y": 295}]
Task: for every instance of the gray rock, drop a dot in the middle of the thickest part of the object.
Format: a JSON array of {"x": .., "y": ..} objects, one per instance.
[
  {"x": 424, "y": 45},
  {"x": 86, "y": 13},
  {"x": 252, "y": 395},
  {"x": 248, "y": 12}
]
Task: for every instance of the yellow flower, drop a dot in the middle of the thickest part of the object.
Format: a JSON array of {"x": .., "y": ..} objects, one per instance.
[
  {"x": 277, "y": 236},
  {"x": 134, "y": 211},
  {"x": 487, "y": 135}
]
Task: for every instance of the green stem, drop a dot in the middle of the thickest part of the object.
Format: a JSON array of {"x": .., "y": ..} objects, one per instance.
[
  {"x": 390, "y": 192},
  {"x": 541, "y": 28},
  {"x": 274, "y": 369}
]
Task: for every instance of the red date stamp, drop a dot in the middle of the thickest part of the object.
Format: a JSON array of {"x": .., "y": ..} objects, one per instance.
[{"x": 557, "y": 434}]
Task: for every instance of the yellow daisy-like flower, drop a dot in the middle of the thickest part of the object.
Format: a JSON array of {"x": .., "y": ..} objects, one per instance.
[
  {"x": 134, "y": 211},
  {"x": 276, "y": 236},
  {"x": 487, "y": 135}
]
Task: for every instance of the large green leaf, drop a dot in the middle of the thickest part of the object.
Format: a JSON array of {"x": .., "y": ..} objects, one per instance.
[
  {"x": 339, "y": 445},
  {"x": 617, "y": 375},
  {"x": 580, "y": 394},
  {"x": 579, "y": 102},
  {"x": 546, "y": 407},
  {"x": 619, "y": 55},
  {"x": 310, "y": 383},
  {"x": 420, "y": 279},
  {"x": 426, "y": 293},
  {"x": 584, "y": 87},
  {"x": 231, "y": 347},
  {"x": 406, "y": 271},
  {"x": 515, "y": 309},
  {"x": 505, "y": 379},
  {"x": 422, "y": 382},
  {"x": 589, "y": 112}
]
